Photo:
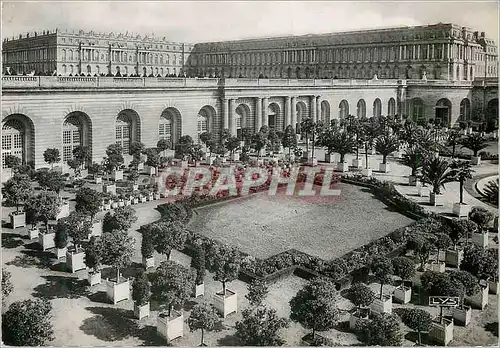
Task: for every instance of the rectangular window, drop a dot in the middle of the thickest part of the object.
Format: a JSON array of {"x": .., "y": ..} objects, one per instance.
[
  {"x": 118, "y": 133},
  {"x": 67, "y": 137},
  {"x": 18, "y": 142},
  {"x": 67, "y": 153},
  {"x": 6, "y": 142},
  {"x": 76, "y": 137}
]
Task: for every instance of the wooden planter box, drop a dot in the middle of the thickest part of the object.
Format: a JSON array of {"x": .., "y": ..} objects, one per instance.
[
  {"x": 412, "y": 180},
  {"x": 46, "y": 240},
  {"x": 235, "y": 156},
  {"x": 435, "y": 199},
  {"x": 141, "y": 311},
  {"x": 117, "y": 291},
  {"x": 150, "y": 197},
  {"x": 329, "y": 158},
  {"x": 462, "y": 315},
  {"x": 382, "y": 306},
  {"x": 75, "y": 261},
  {"x": 148, "y": 262},
  {"x": 402, "y": 294},
  {"x": 199, "y": 290},
  {"x": 94, "y": 278},
  {"x": 368, "y": 172},
  {"x": 135, "y": 187},
  {"x": 461, "y": 209},
  {"x": 170, "y": 328},
  {"x": 479, "y": 300},
  {"x": 140, "y": 166},
  {"x": 480, "y": 239},
  {"x": 109, "y": 189},
  {"x": 17, "y": 220},
  {"x": 356, "y": 316},
  {"x": 441, "y": 333},
  {"x": 357, "y": 163},
  {"x": 437, "y": 267},
  {"x": 128, "y": 202},
  {"x": 493, "y": 286},
  {"x": 135, "y": 201},
  {"x": 60, "y": 253},
  {"x": 422, "y": 191},
  {"x": 454, "y": 257},
  {"x": 228, "y": 304},
  {"x": 64, "y": 211},
  {"x": 33, "y": 233},
  {"x": 117, "y": 175},
  {"x": 476, "y": 161},
  {"x": 343, "y": 167},
  {"x": 97, "y": 180},
  {"x": 151, "y": 171},
  {"x": 384, "y": 168},
  {"x": 121, "y": 203},
  {"x": 96, "y": 229}
]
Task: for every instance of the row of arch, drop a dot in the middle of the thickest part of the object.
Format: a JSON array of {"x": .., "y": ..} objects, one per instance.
[{"x": 119, "y": 56}]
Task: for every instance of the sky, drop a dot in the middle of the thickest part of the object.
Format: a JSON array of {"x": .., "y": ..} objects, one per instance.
[{"x": 201, "y": 21}]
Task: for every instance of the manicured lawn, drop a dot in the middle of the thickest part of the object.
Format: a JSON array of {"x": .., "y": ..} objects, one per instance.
[{"x": 263, "y": 225}]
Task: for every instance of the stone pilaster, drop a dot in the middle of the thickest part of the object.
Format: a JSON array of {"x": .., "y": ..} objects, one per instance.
[
  {"x": 313, "y": 108},
  {"x": 225, "y": 114},
  {"x": 293, "y": 111},
  {"x": 258, "y": 114},
  {"x": 265, "y": 105},
  {"x": 287, "y": 111},
  {"x": 232, "y": 117}
]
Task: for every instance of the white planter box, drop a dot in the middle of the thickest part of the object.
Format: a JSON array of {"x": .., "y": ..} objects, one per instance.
[
  {"x": 354, "y": 318},
  {"x": 107, "y": 206},
  {"x": 475, "y": 160},
  {"x": 150, "y": 197},
  {"x": 128, "y": 202},
  {"x": 480, "y": 239},
  {"x": 441, "y": 333},
  {"x": 368, "y": 172},
  {"x": 157, "y": 196},
  {"x": 479, "y": 300},
  {"x": 60, "y": 253},
  {"x": 46, "y": 240},
  {"x": 384, "y": 168},
  {"x": 135, "y": 201},
  {"x": 343, "y": 167},
  {"x": 312, "y": 161},
  {"x": 402, "y": 294},
  {"x": 109, "y": 189},
  {"x": 437, "y": 267},
  {"x": 63, "y": 212},
  {"x": 235, "y": 157},
  {"x": 461, "y": 209},
  {"x": 141, "y": 311},
  {"x": 357, "y": 163},
  {"x": 33, "y": 233},
  {"x": 199, "y": 290},
  {"x": 170, "y": 328},
  {"x": 143, "y": 199},
  {"x": 228, "y": 304},
  {"x": 96, "y": 229},
  {"x": 329, "y": 158},
  {"x": 117, "y": 175},
  {"x": 94, "y": 278},
  {"x": 148, "y": 262},
  {"x": 118, "y": 291},
  {"x": 18, "y": 220},
  {"x": 114, "y": 205},
  {"x": 412, "y": 180},
  {"x": 454, "y": 257},
  {"x": 121, "y": 203},
  {"x": 436, "y": 154},
  {"x": 435, "y": 199},
  {"x": 210, "y": 160},
  {"x": 382, "y": 306},
  {"x": 151, "y": 171},
  {"x": 140, "y": 166},
  {"x": 184, "y": 164},
  {"x": 373, "y": 151},
  {"x": 397, "y": 154},
  {"x": 493, "y": 286},
  {"x": 75, "y": 261},
  {"x": 462, "y": 315},
  {"x": 97, "y": 180},
  {"x": 135, "y": 187}
]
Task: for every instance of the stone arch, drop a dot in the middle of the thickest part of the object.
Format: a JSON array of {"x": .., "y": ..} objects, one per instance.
[
  {"x": 273, "y": 116},
  {"x": 377, "y": 108},
  {"x": 301, "y": 110},
  {"x": 492, "y": 113},
  {"x": 297, "y": 73},
  {"x": 361, "y": 109},
  {"x": 391, "y": 107},
  {"x": 127, "y": 128},
  {"x": 464, "y": 110},
  {"x": 443, "y": 111},
  {"x": 18, "y": 138},
  {"x": 409, "y": 72},
  {"x": 242, "y": 119},
  {"x": 205, "y": 120},
  {"x": 417, "y": 110},
  {"x": 325, "y": 112},
  {"x": 77, "y": 131},
  {"x": 170, "y": 125},
  {"x": 343, "y": 109}
]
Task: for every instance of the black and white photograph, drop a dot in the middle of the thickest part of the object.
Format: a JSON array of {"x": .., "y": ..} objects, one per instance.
[{"x": 249, "y": 173}]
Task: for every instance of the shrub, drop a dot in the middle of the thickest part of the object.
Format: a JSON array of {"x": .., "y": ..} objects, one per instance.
[
  {"x": 257, "y": 292},
  {"x": 7, "y": 286},
  {"x": 481, "y": 217},
  {"x": 417, "y": 319},
  {"x": 361, "y": 295},
  {"x": 141, "y": 291},
  {"x": 203, "y": 317},
  {"x": 383, "y": 330},
  {"x": 260, "y": 327},
  {"x": 404, "y": 267},
  {"x": 61, "y": 236},
  {"x": 198, "y": 263},
  {"x": 147, "y": 246}
]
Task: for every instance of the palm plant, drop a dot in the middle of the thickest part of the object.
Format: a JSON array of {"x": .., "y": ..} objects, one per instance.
[
  {"x": 462, "y": 171},
  {"x": 474, "y": 142},
  {"x": 491, "y": 191},
  {"x": 437, "y": 172},
  {"x": 413, "y": 158},
  {"x": 307, "y": 128},
  {"x": 386, "y": 144},
  {"x": 453, "y": 140},
  {"x": 408, "y": 133}
]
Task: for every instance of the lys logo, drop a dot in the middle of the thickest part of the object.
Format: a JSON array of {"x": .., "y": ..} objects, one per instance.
[{"x": 444, "y": 301}]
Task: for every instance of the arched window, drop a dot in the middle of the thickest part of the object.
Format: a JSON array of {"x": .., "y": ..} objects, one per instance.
[
  {"x": 165, "y": 129},
  {"x": 71, "y": 55},
  {"x": 391, "y": 107},
  {"x": 202, "y": 127},
  {"x": 71, "y": 140},
  {"x": 63, "y": 54},
  {"x": 377, "y": 108},
  {"x": 161, "y": 59},
  {"x": 167, "y": 59},
  {"x": 464, "y": 110},
  {"x": 343, "y": 109},
  {"x": 156, "y": 59},
  {"x": 89, "y": 69},
  {"x": 64, "y": 69},
  {"x": 417, "y": 110},
  {"x": 361, "y": 111},
  {"x": 122, "y": 134},
  {"x": 12, "y": 142}
]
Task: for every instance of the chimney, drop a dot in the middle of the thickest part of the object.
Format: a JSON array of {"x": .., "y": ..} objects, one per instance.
[{"x": 482, "y": 34}]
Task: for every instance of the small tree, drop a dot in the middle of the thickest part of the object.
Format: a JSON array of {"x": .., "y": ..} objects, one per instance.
[
  {"x": 114, "y": 157},
  {"x": 273, "y": 139},
  {"x": 454, "y": 139},
  {"x": 50, "y": 180},
  {"x": 383, "y": 330},
  {"x": 227, "y": 266},
  {"x": 307, "y": 126},
  {"x": 314, "y": 306},
  {"x": 461, "y": 228},
  {"x": 51, "y": 156},
  {"x": 442, "y": 242},
  {"x": 152, "y": 157},
  {"x": 74, "y": 164},
  {"x": 257, "y": 292},
  {"x": 260, "y": 327},
  {"x": 7, "y": 286},
  {"x": 403, "y": 267},
  {"x": 117, "y": 249},
  {"x": 361, "y": 295},
  {"x": 141, "y": 290},
  {"x": 93, "y": 254},
  {"x": 147, "y": 246},
  {"x": 470, "y": 282},
  {"x": 88, "y": 201},
  {"x": 422, "y": 246},
  {"x": 203, "y": 317},
  {"x": 61, "y": 236},
  {"x": 12, "y": 162},
  {"x": 171, "y": 285},
  {"x": 414, "y": 159},
  {"x": 385, "y": 145},
  {"x": 168, "y": 235},
  {"x": 122, "y": 219},
  {"x": 418, "y": 320},
  {"x": 440, "y": 284},
  {"x": 163, "y": 145},
  {"x": 481, "y": 263},
  {"x": 82, "y": 154},
  {"x": 78, "y": 226},
  {"x": 207, "y": 139},
  {"x": 17, "y": 190},
  {"x": 481, "y": 217},
  {"x": 462, "y": 171},
  {"x": 232, "y": 144},
  {"x": 437, "y": 172},
  {"x": 42, "y": 207},
  {"x": 474, "y": 142},
  {"x": 259, "y": 141},
  {"x": 96, "y": 169},
  {"x": 133, "y": 175},
  {"x": 136, "y": 148},
  {"x": 198, "y": 263},
  {"x": 27, "y": 323},
  {"x": 289, "y": 139},
  {"x": 382, "y": 270},
  {"x": 183, "y": 147}
]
